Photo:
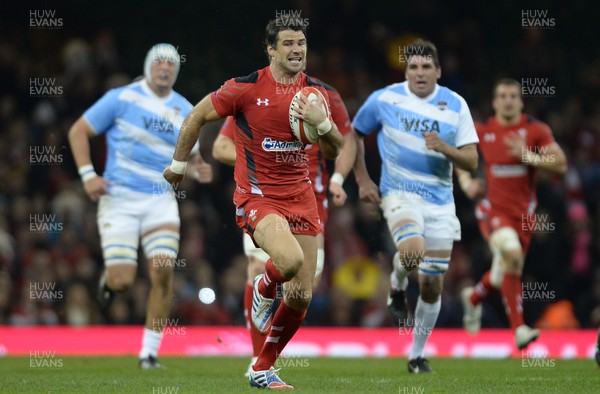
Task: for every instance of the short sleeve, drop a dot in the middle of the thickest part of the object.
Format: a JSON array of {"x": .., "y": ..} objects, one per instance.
[
  {"x": 226, "y": 98},
  {"x": 101, "y": 116},
  {"x": 466, "y": 133},
  {"x": 367, "y": 118}
]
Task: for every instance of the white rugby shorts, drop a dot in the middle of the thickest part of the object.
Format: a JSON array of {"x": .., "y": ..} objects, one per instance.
[{"x": 438, "y": 222}]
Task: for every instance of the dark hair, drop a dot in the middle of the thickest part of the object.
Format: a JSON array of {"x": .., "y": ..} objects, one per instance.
[
  {"x": 424, "y": 48},
  {"x": 280, "y": 23},
  {"x": 507, "y": 82}
]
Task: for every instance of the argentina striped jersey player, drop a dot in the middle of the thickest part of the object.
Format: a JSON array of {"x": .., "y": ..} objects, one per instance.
[
  {"x": 141, "y": 133},
  {"x": 408, "y": 167}
]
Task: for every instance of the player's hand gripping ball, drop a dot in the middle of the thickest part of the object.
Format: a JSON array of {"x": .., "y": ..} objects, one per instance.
[{"x": 303, "y": 131}]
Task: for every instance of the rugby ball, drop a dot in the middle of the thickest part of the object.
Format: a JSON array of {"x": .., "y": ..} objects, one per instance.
[{"x": 303, "y": 132}]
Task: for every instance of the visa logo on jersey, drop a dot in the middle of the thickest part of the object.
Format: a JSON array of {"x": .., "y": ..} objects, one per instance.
[
  {"x": 420, "y": 125},
  {"x": 270, "y": 145}
]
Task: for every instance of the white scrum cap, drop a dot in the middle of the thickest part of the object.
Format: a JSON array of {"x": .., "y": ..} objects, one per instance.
[{"x": 161, "y": 52}]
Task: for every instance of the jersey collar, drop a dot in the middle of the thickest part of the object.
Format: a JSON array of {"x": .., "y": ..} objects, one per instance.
[
  {"x": 426, "y": 98},
  {"x": 150, "y": 92}
]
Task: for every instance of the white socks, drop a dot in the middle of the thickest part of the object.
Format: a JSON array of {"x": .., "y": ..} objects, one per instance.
[
  {"x": 150, "y": 343},
  {"x": 425, "y": 317},
  {"x": 399, "y": 274}
]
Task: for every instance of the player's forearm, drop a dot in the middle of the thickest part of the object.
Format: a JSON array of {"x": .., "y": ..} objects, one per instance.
[
  {"x": 464, "y": 179},
  {"x": 360, "y": 166},
  {"x": 188, "y": 135},
  {"x": 347, "y": 156},
  {"x": 554, "y": 160},
  {"x": 331, "y": 143},
  {"x": 464, "y": 157}
]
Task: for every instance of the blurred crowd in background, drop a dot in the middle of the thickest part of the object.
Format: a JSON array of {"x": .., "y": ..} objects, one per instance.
[{"x": 50, "y": 256}]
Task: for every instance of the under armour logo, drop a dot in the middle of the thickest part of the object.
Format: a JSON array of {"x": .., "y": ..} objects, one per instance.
[
  {"x": 260, "y": 102},
  {"x": 489, "y": 137}
]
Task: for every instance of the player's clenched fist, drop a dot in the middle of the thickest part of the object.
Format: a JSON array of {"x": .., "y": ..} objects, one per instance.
[
  {"x": 172, "y": 177},
  {"x": 96, "y": 187},
  {"x": 338, "y": 194},
  {"x": 434, "y": 142},
  {"x": 368, "y": 191}
]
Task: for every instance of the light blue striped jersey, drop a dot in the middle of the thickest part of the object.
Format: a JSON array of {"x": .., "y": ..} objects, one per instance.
[
  {"x": 408, "y": 167},
  {"x": 141, "y": 135}
]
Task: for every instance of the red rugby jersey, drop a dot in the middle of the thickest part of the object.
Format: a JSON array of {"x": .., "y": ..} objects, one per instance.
[
  {"x": 317, "y": 167},
  {"x": 269, "y": 160},
  {"x": 510, "y": 183}
]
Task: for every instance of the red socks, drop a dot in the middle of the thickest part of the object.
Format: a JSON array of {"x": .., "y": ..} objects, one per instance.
[
  {"x": 482, "y": 289},
  {"x": 268, "y": 285},
  {"x": 285, "y": 324},
  {"x": 511, "y": 296}
]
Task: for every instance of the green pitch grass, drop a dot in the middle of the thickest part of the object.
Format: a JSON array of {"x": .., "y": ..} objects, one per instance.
[{"x": 308, "y": 375}]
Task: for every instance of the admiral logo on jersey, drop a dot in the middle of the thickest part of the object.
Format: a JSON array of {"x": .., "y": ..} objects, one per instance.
[{"x": 270, "y": 145}]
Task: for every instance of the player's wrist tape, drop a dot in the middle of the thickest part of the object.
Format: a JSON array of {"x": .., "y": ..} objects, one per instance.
[
  {"x": 178, "y": 167},
  {"x": 324, "y": 127},
  {"x": 337, "y": 178},
  {"x": 87, "y": 172},
  {"x": 465, "y": 180}
]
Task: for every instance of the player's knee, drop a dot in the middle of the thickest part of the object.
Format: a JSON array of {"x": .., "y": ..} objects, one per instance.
[
  {"x": 430, "y": 297},
  {"x": 290, "y": 264},
  {"x": 430, "y": 291},
  {"x": 505, "y": 240},
  {"x": 430, "y": 288}
]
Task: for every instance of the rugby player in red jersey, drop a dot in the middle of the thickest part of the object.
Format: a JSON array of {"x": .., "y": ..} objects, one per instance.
[
  {"x": 224, "y": 151},
  {"x": 274, "y": 199},
  {"x": 513, "y": 146}
]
